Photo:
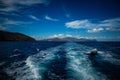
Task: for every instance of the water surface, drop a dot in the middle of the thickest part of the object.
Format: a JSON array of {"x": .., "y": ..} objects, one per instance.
[{"x": 59, "y": 61}]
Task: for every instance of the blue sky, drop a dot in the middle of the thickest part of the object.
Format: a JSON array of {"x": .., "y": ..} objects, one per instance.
[{"x": 98, "y": 19}]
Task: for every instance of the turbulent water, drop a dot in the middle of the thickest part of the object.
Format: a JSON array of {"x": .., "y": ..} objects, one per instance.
[{"x": 60, "y": 61}]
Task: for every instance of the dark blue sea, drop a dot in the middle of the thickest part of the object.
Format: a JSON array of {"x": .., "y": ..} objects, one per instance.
[{"x": 59, "y": 61}]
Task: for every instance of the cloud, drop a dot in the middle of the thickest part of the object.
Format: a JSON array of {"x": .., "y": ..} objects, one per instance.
[
  {"x": 113, "y": 29},
  {"x": 60, "y": 36},
  {"x": 24, "y": 2},
  {"x": 34, "y": 17},
  {"x": 9, "y": 9},
  {"x": 7, "y": 22},
  {"x": 51, "y": 19},
  {"x": 101, "y": 38},
  {"x": 68, "y": 35},
  {"x": 110, "y": 24},
  {"x": 12, "y": 5},
  {"x": 94, "y": 30},
  {"x": 11, "y": 14},
  {"x": 13, "y": 22},
  {"x": 98, "y": 26},
  {"x": 79, "y": 24},
  {"x": 115, "y": 22}
]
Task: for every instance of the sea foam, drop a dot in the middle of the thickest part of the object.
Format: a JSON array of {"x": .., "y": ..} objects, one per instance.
[{"x": 79, "y": 66}]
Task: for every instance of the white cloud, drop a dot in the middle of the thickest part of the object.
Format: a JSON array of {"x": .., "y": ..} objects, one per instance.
[
  {"x": 24, "y": 2},
  {"x": 94, "y": 30},
  {"x": 79, "y": 24},
  {"x": 113, "y": 29},
  {"x": 9, "y": 9},
  {"x": 11, "y": 14},
  {"x": 68, "y": 35},
  {"x": 60, "y": 35},
  {"x": 115, "y": 22},
  {"x": 34, "y": 17},
  {"x": 7, "y": 22},
  {"x": 108, "y": 24},
  {"x": 57, "y": 36},
  {"x": 101, "y": 38},
  {"x": 111, "y": 24},
  {"x": 111, "y": 20},
  {"x": 51, "y": 19},
  {"x": 11, "y": 5},
  {"x": 13, "y": 22}
]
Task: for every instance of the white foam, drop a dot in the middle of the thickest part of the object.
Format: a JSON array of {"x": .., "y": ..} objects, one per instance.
[
  {"x": 34, "y": 67},
  {"x": 15, "y": 55},
  {"x": 108, "y": 56},
  {"x": 79, "y": 66},
  {"x": 19, "y": 71},
  {"x": 37, "y": 49},
  {"x": 2, "y": 63},
  {"x": 38, "y": 63}
]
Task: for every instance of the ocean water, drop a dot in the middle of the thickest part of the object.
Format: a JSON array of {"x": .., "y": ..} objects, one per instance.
[{"x": 59, "y": 61}]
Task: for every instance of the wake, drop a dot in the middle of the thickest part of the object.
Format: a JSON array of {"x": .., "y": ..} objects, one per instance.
[
  {"x": 65, "y": 62},
  {"x": 79, "y": 67}
]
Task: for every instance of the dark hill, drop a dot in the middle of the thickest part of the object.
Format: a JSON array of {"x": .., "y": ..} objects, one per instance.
[{"x": 9, "y": 36}]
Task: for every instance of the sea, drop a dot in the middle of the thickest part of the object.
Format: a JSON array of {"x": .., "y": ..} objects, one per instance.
[{"x": 59, "y": 61}]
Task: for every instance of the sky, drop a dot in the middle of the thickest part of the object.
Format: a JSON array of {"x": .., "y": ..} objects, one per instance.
[{"x": 92, "y": 19}]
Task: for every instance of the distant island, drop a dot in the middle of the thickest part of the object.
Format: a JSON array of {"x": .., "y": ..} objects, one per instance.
[
  {"x": 10, "y": 36},
  {"x": 69, "y": 39}
]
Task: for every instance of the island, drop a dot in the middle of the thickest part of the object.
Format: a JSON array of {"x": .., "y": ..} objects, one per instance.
[
  {"x": 10, "y": 36},
  {"x": 69, "y": 39}
]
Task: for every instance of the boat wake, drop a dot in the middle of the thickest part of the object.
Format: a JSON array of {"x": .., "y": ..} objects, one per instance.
[{"x": 65, "y": 62}]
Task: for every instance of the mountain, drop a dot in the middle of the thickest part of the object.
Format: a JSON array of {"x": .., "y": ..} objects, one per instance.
[
  {"x": 9, "y": 36},
  {"x": 70, "y": 39}
]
